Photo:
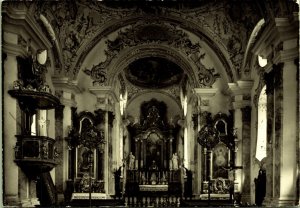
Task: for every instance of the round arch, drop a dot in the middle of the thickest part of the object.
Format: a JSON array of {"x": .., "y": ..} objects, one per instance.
[
  {"x": 128, "y": 56},
  {"x": 204, "y": 35},
  {"x": 173, "y": 104},
  {"x": 250, "y": 58}
]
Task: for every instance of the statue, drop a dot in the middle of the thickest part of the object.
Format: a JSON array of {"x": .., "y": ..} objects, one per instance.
[
  {"x": 131, "y": 158},
  {"x": 84, "y": 164},
  {"x": 153, "y": 165},
  {"x": 117, "y": 175},
  {"x": 175, "y": 161},
  {"x": 153, "y": 168},
  {"x": 260, "y": 187}
]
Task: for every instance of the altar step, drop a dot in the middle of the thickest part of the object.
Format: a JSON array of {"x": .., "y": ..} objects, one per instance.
[
  {"x": 97, "y": 203},
  {"x": 205, "y": 203},
  {"x": 152, "y": 201}
]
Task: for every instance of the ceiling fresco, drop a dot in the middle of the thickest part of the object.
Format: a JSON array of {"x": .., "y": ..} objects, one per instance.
[
  {"x": 153, "y": 72},
  {"x": 225, "y": 26},
  {"x": 79, "y": 25}
]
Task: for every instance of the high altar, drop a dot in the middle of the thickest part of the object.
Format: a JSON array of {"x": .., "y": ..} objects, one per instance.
[{"x": 152, "y": 166}]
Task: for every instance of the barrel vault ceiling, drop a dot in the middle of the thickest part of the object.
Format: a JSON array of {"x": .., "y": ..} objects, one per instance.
[{"x": 109, "y": 42}]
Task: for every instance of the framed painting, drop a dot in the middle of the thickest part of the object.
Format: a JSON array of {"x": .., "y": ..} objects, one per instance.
[
  {"x": 83, "y": 163},
  {"x": 220, "y": 161}
]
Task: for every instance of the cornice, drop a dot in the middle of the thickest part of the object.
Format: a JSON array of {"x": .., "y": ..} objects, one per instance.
[
  {"x": 63, "y": 83},
  {"x": 242, "y": 87},
  {"x": 23, "y": 23},
  {"x": 205, "y": 92},
  {"x": 103, "y": 92},
  {"x": 68, "y": 102},
  {"x": 13, "y": 49},
  {"x": 286, "y": 55},
  {"x": 280, "y": 29}
]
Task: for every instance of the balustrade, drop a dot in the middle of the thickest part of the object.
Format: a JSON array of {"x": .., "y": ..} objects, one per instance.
[
  {"x": 152, "y": 201},
  {"x": 153, "y": 177}
]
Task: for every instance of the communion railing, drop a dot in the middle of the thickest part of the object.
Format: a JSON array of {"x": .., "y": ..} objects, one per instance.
[
  {"x": 153, "y": 177},
  {"x": 153, "y": 188}
]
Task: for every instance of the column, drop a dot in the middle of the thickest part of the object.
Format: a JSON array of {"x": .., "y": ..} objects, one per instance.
[
  {"x": 191, "y": 139},
  {"x": 282, "y": 39},
  {"x": 246, "y": 157},
  {"x": 106, "y": 100},
  {"x": 288, "y": 136},
  {"x": 170, "y": 152},
  {"x": 242, "y": 124},
  {"x": 270, "y": 139},
  {"x": 203, "y": 106},
  {"x": 11, "y": 115},
  {"x": 111, "y": 157},
  {"x": 65, "y": 90},
  {"x": 142, "y": 156},
  {"x": 136, "y": 154}
]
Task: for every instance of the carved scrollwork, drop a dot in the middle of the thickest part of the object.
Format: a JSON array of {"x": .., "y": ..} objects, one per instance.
[
  {"x": 98, "y": 74},
  {"x": 208, "y": 136},
  {"x": 206, "y": 77}
]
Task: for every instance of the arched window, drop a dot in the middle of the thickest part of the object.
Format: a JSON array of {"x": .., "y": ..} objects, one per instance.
[{"x": 261, "y": 145}]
